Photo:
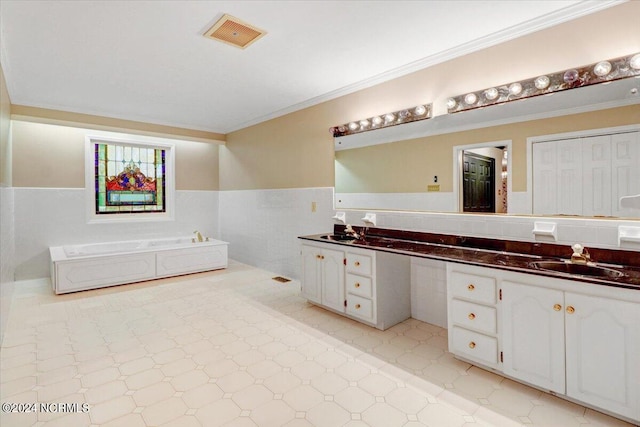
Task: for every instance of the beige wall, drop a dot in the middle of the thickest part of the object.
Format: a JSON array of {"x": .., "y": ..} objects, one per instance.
[
  {"x": 409, "y": 166},
  {"x": 296, "y": 150},
  {"x": 46, "y": 155},
  {"x": 5, "y": 146}
]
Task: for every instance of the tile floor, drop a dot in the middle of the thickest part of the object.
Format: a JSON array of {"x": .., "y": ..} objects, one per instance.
[{"x": 235, "y": 348}]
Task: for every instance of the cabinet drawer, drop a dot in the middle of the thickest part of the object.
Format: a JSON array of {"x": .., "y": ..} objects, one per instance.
[
  {"x": 359, "y": 285},
  {"x": 360, "y": 307},
  {"x": 474, "y": 316},
  {"x": 474, "y": 346},
  {"x": 360, "y": 264},
  {"x": 473, "y": 287}
]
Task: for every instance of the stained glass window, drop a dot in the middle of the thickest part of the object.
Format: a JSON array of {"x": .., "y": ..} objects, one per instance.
[{"x": 129, "y": 179}]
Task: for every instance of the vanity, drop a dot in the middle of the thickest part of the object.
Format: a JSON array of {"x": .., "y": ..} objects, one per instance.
[{"x": 515, "y": 308}]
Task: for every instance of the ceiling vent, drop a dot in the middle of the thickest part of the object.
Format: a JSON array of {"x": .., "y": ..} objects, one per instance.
[{"x": 233, "y": 31}]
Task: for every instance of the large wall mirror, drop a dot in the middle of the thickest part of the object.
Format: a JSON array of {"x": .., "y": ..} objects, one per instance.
[{"x": 548, "y": 155}]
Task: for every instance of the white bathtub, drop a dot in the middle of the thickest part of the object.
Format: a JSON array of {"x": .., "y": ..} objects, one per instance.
[{"x": 90, "y": 266}]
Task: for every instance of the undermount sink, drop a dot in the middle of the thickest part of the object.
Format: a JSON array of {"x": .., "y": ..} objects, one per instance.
[
  {"x": 338, "y": 237},
  {"x": 579, "y": 269}
]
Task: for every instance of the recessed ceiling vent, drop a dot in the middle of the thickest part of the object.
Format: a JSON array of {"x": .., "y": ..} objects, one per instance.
[{"x": 233, "y": 31}]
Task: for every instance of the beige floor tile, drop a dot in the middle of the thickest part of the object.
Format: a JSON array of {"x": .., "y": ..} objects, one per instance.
[
  {"x": 164, "y": 411},
  {"x": 112, "y": 409},
  {"x": 153, "y": 394},
  {"x": 230, "y": 348},
  {"x": 274, "y": 413},
  {"x": 328, "y": 414}
]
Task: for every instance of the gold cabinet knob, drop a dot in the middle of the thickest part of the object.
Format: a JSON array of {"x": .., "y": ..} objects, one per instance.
[
  {"x": 472, "y": 345},
  {"x": 357, "y": 306},
  {"x": 471, "y": 316},
  {"x": 357, "y": 263},
  {"x": 318, "y": 256},
  {"x": 322, "y": 257},
  {"x": 570, "y": 310},
  {"x": 471, "y": 287},
  {"x": 357, "y": 285},
  {"x": 557, "y": 307}
]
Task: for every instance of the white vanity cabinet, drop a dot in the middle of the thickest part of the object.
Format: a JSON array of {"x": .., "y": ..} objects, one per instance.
[
  {"x": 323, "y": 275},
  {"x": 575, "y": 339},
  {"x": 369, "y": 286},
  {"x": 472, "y": 313}
]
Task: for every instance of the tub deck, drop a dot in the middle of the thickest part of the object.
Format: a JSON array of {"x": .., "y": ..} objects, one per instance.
[{"x": 91, "y": 266}]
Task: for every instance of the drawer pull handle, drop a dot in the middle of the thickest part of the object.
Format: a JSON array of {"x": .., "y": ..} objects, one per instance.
[
  {"x": 557, "y": 307},
  {"x": 472, "y": 345},
  {"x": 571, "y": 310},
  {"x": 357, "y": 285},
  {"x": 357, "y": 263},
  {"x": 471, "y": 287},
  {"x": 357, "y": 306},
  {"x": 471, "y": 316}
]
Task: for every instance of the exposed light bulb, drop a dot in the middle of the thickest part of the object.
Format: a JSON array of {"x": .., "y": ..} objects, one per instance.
[
  {"x": 377, "y": 120},
  {"x": 389, "y": 117},
  {"x": 353, "y": 126},
  {"x": 364, "y": 123},
  {"x": 542, "y": 82},
  {"x": 420, "y": 110},
  {"x": 571, "y": 76},
  {"x": 515, "y": 89},
  {"x": 634, "y": 62},
  {"x": 602, "y": 68},
  {"x": 451, "y": 103},
  {"x": 470, "y": 98},
  {"x": 491, "y": 93}
]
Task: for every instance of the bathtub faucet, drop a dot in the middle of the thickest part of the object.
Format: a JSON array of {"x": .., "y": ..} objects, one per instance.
[{"x": 198, "y": 237}]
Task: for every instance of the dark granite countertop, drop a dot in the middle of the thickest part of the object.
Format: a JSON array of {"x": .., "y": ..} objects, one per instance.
[{"x": 491, "y": 253}]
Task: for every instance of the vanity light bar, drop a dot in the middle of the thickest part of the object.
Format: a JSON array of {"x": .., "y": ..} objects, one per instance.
[
  {"x": 407, "y": 115},
  {"x": 600, "y": 72}
]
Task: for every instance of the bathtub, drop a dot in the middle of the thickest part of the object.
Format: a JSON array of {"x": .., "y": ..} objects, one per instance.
[{"x": 96, "y": 265}]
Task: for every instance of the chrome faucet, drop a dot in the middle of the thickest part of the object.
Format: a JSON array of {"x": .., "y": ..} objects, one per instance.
[
  {"x": 580, "y": 254},
  {"x": 198, "y": 237}
]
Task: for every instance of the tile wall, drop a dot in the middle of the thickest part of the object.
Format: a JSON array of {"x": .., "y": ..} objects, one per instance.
[
  {"x": 7, "y": 250},
  {"x": 47, "y": 217}
]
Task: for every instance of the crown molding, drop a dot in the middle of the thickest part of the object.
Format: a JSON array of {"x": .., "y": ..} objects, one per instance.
[{"x": 546, "y": 21}]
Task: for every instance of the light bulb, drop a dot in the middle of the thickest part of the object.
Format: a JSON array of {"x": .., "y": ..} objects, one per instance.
[
  {"x": 364, "y": 123},
  {"x": 353, "y": 126},
  {"x": 420, "y": 110},
  {"x": 451, "y": 103},
  {"x": 515, "y": 89},
  {"x": 389, "y": 117},
  {"x": 571, "y": 76},
  {"x": 542, "y": 82},
  {"x": 470, "y": 98},
  {"x": 376, "y": 120},
  {"x": 491, "y": 93},
  {"x": 635, "y": 61},
  {"x": 602, "y": 68}
]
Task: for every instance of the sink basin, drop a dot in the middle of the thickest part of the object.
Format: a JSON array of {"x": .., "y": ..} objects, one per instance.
[
  {"x": 579, "y": 269},
  {"x": 338, "y": 237}
]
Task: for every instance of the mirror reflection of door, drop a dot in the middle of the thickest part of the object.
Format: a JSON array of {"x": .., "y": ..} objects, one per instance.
[{"x": 478, "y": 183}]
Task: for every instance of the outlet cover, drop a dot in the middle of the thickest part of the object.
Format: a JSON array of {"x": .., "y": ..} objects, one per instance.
[{"x": 433, "y": 188}]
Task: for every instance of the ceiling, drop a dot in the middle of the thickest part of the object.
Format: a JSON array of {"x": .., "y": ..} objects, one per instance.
[{"x": 148, "y": 60}]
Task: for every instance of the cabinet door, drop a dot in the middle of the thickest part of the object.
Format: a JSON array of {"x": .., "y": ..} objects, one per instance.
[
  {"x": 596, "y": 191},
  {"x": 625, "y": 165},
  {"x": 533, "y": 335},
  {"x": 333, "y": 279},
  {"x": 603, "y": 353},
  {"x": 545, "y": 179},
  {"x": 311, "y": 276}
]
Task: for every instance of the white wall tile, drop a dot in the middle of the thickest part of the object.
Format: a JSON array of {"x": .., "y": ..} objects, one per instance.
[
  {"x": 7, "y": 254},
  {"x": 47, "y": 217}
]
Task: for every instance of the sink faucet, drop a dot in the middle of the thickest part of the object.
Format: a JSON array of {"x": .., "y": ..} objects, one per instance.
[
  {"x": 351, "y": 232},
  {"x": 580, "y": 254},
  {"x": 198, "y": 237}
]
